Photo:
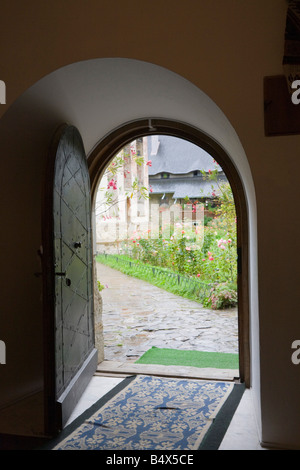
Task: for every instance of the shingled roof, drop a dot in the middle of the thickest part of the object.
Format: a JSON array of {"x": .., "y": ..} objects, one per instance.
[{"x": 178, "y": 156}]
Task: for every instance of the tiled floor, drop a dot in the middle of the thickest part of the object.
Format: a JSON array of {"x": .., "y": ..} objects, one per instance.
[{"x": 241, "y": 435}]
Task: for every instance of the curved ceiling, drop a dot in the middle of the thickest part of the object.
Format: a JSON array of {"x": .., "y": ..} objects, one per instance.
[{"x": 99, "y": 95}]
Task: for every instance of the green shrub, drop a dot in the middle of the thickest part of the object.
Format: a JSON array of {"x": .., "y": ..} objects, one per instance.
[{"x": 222, "y": 296}]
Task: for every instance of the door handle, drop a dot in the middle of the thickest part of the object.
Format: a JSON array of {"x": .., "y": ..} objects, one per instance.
[
  {"x": 68, "y": 281},
  {"x": 77, "y": 244}
]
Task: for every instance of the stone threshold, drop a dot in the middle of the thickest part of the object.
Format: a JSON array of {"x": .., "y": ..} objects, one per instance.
[{"x": 123, "y": 369}]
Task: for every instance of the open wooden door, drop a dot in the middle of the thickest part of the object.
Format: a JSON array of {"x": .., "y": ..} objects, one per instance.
[{"x": 70, "y": 354}]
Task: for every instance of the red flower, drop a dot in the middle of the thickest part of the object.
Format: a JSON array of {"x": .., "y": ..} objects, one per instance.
[{"x": 112, "y": 184}]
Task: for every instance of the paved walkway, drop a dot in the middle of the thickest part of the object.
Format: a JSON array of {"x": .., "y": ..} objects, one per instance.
[{"x": 138, "y": 315}]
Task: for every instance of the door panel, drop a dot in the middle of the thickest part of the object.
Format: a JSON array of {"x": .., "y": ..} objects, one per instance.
[{"x": 71, "y": 357}]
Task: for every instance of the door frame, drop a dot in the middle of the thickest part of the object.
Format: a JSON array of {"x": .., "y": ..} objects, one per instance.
[{"x": 112, "y": 143}]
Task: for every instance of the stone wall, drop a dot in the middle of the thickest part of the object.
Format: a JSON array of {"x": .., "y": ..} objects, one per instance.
[{"x": 99, "y": 339}]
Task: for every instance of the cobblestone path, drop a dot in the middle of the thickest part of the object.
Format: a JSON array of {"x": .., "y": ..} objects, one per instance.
[{"x": 138, "y": 315}]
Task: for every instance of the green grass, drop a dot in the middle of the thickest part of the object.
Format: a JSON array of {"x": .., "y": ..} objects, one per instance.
[{"x": 160, "y": 277}]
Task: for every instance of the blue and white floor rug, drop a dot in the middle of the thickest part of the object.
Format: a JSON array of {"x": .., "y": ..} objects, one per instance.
[{"x": 155, "y": 413}]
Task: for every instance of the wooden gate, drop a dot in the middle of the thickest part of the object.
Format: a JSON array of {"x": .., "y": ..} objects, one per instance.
[{"x": 70, "y": 354}]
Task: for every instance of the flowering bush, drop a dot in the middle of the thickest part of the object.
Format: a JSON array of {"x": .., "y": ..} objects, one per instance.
[
  {"x": 113, "y": 192},
  {"x": 223, "y": 295}
]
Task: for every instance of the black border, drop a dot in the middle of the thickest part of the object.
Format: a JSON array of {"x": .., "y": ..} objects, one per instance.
[{"x": 217, "y": 430}]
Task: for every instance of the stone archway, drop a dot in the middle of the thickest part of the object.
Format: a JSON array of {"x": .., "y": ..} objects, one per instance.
[{"x": 109, "y": 146}]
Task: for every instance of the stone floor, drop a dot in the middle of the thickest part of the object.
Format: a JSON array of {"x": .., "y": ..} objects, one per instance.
[{"x": 138, "y": 315}]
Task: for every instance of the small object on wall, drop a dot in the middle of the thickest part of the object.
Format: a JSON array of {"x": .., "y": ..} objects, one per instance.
[
  {"x": 291, "y": 57},
  {"x": 281, "y": 116},
  {"x": 281, "y": 103}
]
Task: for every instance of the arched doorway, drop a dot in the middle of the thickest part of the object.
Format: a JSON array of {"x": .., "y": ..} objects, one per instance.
[
  {"x": 108, "y": 147},
  {"x": 108, "y": 112}
]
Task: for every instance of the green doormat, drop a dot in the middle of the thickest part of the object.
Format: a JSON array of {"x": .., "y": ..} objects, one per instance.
[{"x": 201, "y": 359}]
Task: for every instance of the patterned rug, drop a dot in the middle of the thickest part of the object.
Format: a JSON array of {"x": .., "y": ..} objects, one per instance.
[{"x": 149, "y": 413}]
